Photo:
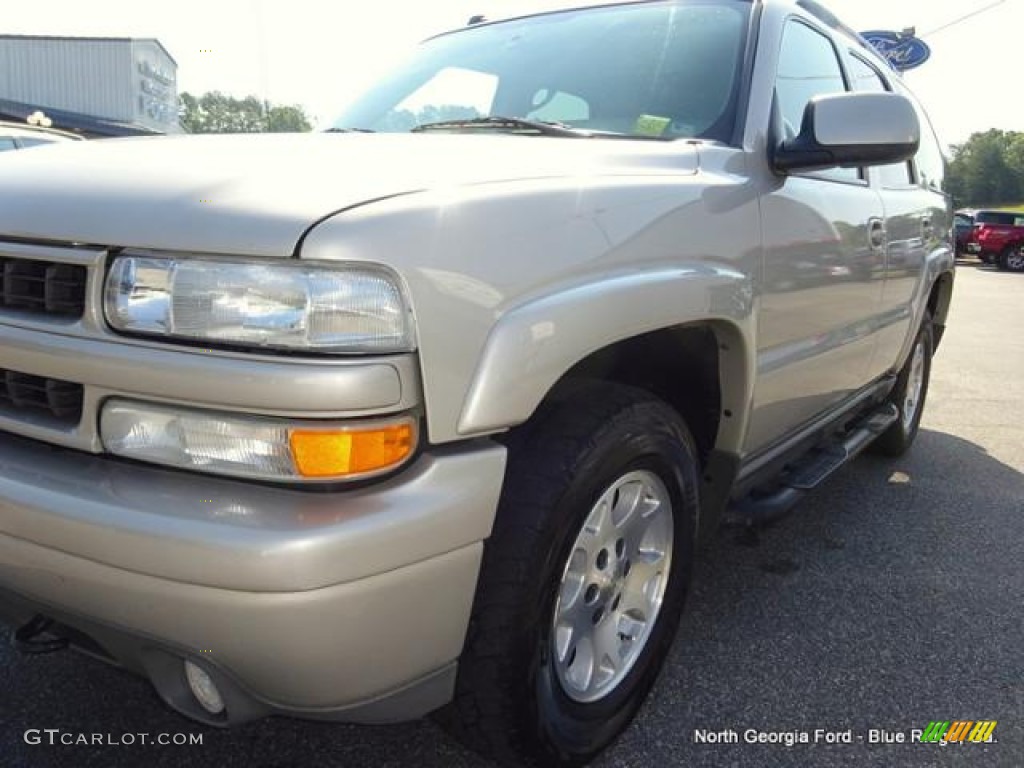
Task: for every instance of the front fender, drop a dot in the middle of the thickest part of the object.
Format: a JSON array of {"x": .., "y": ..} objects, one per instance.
[{"x": 512, "y": 283}]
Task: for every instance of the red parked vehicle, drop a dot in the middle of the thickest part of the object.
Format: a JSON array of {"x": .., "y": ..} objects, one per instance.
[{"x": 998, "y": 238}]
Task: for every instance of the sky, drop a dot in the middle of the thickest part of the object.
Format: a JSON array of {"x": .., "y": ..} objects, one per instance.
[{"x": 315, "y": 53}]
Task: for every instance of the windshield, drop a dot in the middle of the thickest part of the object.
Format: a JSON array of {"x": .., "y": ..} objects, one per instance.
[{"x": 661, "y": 70}]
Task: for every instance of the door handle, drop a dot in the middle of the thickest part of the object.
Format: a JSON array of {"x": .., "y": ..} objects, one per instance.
[{"x": 876, "y": 234}]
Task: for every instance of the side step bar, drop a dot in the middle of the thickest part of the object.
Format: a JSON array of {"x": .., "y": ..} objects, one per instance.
[{"x": 812, "y": 469}]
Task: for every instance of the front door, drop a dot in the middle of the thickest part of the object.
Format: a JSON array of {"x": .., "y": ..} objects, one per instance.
[{"x": 824, "y": 241}]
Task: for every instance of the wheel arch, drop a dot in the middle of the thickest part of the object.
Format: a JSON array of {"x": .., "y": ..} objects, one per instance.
[
  {"x": 939, "y": 299},
  {"x": 696, "y": 368},
  {"x": 685, "y": 335}
]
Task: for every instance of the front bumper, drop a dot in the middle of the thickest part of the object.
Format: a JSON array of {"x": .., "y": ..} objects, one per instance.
[{"x": 345, "y": 605}]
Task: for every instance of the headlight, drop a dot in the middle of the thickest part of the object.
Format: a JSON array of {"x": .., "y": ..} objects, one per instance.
[
  {"x": 255, "y": 447},
  {"x": 291, "y": 305}
]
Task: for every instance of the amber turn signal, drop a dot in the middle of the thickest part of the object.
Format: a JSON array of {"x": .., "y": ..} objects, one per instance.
[{"x": 342, "y": 453}]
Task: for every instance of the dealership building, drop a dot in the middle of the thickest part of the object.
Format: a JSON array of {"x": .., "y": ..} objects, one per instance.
[{"x": 96, "y": 86}]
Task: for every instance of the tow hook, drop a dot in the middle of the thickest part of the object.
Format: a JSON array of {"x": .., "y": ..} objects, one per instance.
[{"x": 39, "y": 635}]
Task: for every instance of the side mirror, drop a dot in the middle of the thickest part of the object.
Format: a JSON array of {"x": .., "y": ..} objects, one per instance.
[{"x": 851, "y": 130}]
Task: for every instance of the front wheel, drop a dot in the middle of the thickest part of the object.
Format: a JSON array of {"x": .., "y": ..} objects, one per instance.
[
  {"x": 909, "y": 395},
  {"x": 1012, "y": 258},
  {"x": 583, "y": 579}
]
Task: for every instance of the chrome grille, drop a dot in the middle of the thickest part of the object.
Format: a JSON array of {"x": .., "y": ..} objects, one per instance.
[
  {"x": 57, "y": 402},
  {"x": 43, "y": 287}
]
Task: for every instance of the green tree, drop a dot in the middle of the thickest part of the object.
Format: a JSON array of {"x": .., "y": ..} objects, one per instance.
[
  {"x": 215, "y": 112},
  {"x": 988, "y": 170},
  {"x": 286, "y": 119},
  {"x": 405, "y": 120},
  {"x": 1015, "y": 155}
]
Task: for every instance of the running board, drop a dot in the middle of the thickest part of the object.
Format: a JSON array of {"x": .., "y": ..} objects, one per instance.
[{"x": 812, "y": 469}]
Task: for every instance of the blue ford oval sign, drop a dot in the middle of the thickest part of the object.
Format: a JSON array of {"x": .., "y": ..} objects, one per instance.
[{"x": 903, "y": 52}]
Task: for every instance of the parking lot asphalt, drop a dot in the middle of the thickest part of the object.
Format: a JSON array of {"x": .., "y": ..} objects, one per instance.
[{"x": 893, "y": 596}]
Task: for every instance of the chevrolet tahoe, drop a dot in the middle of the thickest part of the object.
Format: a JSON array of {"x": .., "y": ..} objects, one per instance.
[{"x": 429, "y": 411}]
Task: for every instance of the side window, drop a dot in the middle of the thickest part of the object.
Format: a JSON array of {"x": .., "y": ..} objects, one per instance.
[
  {"x": 866, "y": 78},
  {"x": 808, "y": 67},
  {"x": 931, "y": 163},
  {"x": 7, "y": 143},
  {"x": 995, "y": 218}
]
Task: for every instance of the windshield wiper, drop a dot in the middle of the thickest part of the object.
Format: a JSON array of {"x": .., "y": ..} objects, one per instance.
[
  {"x": 349, "y": 130},
  {"x": 518, "y": 125}
]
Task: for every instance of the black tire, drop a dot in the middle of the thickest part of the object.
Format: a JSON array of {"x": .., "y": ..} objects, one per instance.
[
  {"x": 897, "y": 440},
  {"x": 1012, "y": 258},
  {"x": 509, "y": 703}
]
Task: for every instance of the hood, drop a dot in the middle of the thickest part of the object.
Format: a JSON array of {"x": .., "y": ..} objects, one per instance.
[{"x": 257, "y": 194}]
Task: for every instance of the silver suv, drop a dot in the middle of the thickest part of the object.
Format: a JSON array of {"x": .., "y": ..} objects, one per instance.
[{"x": 429, "y": 411}]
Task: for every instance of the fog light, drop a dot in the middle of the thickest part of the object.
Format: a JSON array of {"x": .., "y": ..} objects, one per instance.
[{"x": 204, "y": 689}]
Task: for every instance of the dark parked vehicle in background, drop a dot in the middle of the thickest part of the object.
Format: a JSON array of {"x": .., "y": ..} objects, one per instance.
[
  {"x": 963, "y": 226},
  {"x": 998, "y": 238}
]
